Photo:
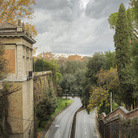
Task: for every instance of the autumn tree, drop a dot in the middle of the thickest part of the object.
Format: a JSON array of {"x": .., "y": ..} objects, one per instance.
[
  {"x": 99, "y": 95},
  {"x": 74, "y": 58},
  {"x": 46, "y": 56},
  {"x": 12, "y": 10},
  {"x": 121, "y": 40}
]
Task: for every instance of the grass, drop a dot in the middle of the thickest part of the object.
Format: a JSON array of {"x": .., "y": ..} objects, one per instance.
[{"x": 61, "y": 104}]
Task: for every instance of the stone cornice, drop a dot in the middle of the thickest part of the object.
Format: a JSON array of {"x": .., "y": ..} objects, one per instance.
[{"x": 25, "y": 36}]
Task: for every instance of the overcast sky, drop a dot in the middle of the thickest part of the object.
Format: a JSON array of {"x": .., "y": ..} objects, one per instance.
[{"x": 75, "y": 26}]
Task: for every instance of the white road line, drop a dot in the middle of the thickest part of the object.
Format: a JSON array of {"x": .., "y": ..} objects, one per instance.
[{"x": 85, "y": 133}]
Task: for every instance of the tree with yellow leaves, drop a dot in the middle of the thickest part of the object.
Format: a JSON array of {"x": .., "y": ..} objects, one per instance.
[
  {"x": 107, "y": 81},
  {"x": 12, "y": 10}
]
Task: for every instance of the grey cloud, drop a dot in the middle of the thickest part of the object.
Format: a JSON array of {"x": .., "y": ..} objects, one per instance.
[
  {"x": 67, "y": 29},
  {"x": 61, "y": 9},
  {"x": 103, "y": 8},
  {"x": 51, "y": 4}
]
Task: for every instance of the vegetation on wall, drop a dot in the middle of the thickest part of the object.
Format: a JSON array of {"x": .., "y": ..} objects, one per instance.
[
  {"x": 5, "y": 92},
  {"x": 46, "y": 107}
]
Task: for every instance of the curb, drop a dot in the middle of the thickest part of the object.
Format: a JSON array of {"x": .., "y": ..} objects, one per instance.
[
  {"x": 96, "y": 125},
  {"x": 73, "y": 128}
]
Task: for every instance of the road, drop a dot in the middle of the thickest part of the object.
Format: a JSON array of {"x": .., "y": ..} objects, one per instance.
[
  {"x": 85, "y": 125},
  {"x": 61, "y": 127}
]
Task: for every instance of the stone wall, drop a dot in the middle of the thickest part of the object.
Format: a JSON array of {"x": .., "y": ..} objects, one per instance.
[
  {"x": 21, "y": 110},
  {"x": 120, "y": 123},
  {"x": 41, "y": 82}
]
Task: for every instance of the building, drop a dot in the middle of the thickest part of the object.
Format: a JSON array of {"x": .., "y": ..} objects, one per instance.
[{"x": 18, "y": 51}]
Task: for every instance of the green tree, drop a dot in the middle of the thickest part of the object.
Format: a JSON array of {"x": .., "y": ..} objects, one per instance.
[
  {"x": 67, "y": 84},
  {"x": 121, "y": 40},
  {"x": 95, "y": 64},
  {"x": 47, "y": 106},
  {"x": 79, "y": 77},
  {"x": 130, "y": 27},
  {"x": 134, "y": 50},
  {"x": 110, "y": 59},
  {"x": 112, "y": 20},
  {"x": 42, "y": 65}
]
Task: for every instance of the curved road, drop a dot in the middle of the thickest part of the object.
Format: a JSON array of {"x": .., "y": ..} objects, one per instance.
[
  {"x": 85, "y": 125},
  {"x": 61, "y": 127}
]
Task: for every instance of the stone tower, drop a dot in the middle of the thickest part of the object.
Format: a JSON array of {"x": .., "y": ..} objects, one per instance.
[{"x": 18, "y": 51}]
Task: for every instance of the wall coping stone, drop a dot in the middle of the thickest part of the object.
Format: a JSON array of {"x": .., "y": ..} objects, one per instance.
[
  {"x": 37, "y": 74},
  {"x": 106, "y": 118}
]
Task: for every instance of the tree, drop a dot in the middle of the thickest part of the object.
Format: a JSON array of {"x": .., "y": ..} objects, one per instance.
[
  {"x": 135, "y": 66},
  {"x": 46, "y": 56},
  {"x": 121, "y": 40},
  {"x": 74, "y": 58},
  {"x": 67, "y": 84},
  {"x": 134, "y": 54},
  {"x": 12, "y": 10},
  {"x": 79, "y": 77},
  {"x": 110, "y": 59},
  {"x": 46, "y": 107},
  {"x": 42, "y": 65},
  {"x": 130, "y": 27},
  {"x": 98, "y": 96},
  {"x": 112, "y": 20},
  {"x": 95, "y": 64}
]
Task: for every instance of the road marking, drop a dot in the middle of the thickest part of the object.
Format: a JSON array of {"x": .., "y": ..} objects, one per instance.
[
  {"x": 56, "y": 125},
  {"x": 85, "y": 133}
]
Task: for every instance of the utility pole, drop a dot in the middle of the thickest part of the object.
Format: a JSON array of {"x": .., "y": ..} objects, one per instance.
[{"x": 110, "y": 101}]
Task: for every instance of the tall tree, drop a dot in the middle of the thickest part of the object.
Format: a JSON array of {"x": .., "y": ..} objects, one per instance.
[
  {"x": 130, "y": 27},
  {"x": 121, "y": 40},
  {"x": 134, "y": 49}
]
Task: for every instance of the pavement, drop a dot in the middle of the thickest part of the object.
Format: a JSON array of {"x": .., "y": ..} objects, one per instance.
[{"x": 86, "y": 125}]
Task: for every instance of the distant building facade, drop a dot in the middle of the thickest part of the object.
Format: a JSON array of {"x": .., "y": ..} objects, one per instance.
[{"x": 18, "y": 51}]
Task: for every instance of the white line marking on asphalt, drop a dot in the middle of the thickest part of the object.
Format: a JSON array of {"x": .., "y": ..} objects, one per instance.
[{"x": 85, "y": 133}]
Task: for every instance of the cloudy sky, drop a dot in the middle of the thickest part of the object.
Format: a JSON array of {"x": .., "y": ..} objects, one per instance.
[{"x": 75, "y": 26}]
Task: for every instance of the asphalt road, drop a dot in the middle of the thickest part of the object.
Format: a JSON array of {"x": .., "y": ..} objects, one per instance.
[
  {"x": 85, "y": 125},
  {"x": 61, "y": 127}
]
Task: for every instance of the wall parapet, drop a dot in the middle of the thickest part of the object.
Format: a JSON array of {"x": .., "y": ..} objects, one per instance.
[
  {"x": 121, "y": 112},
  {"x": 38, "y": 74},
  {"x": 120, "y": 123}
]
